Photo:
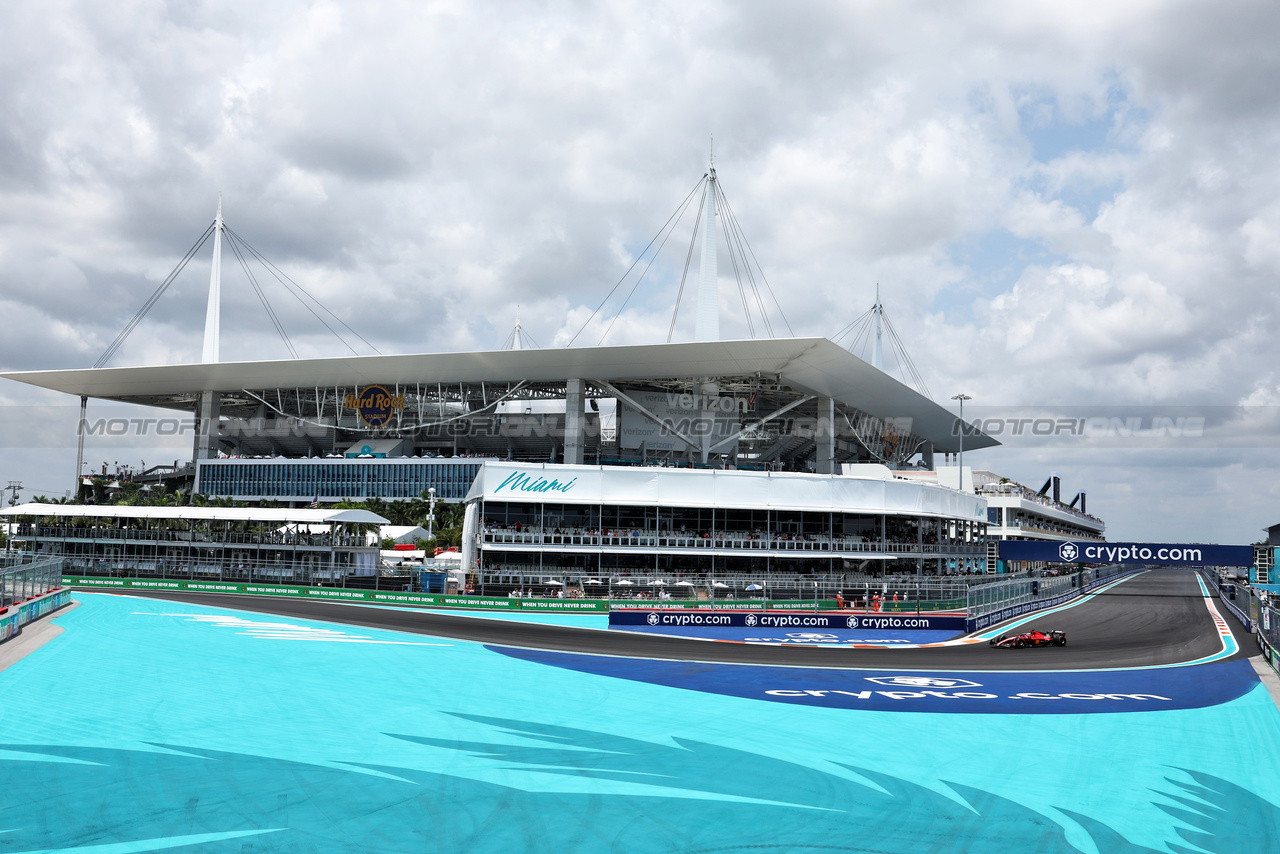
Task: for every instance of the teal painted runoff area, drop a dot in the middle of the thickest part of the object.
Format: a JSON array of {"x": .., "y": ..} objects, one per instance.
[{"x": 151, "y": 725}]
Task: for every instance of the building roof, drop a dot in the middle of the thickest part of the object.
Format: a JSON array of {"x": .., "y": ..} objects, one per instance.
[
  {"x": 814, "y": 366},
  {"x": 220, "y": 514},
  {"x": 648, "y": 486}
]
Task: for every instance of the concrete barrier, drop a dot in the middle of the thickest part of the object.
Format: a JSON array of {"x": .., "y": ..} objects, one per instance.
[{"x": 20, "y": 614}]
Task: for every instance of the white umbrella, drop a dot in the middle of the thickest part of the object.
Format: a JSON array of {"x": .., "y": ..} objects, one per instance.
[
  {"x": 591, "y": 581},
  {"x": 556, "y": 583},
  {"x": 754, "y": 587},
  {"x": 684, "y": 584},
  {"x": 623, "y": 583},
  {"x": 659, "y": 582},
  {"x": 721, "y": 586}
]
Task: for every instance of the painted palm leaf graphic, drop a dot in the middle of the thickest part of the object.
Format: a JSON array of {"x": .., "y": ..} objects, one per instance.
[{"x": 632, "y": 796}]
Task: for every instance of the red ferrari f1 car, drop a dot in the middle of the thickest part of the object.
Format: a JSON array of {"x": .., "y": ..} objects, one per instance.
[{"x": 1032, "y": 638}]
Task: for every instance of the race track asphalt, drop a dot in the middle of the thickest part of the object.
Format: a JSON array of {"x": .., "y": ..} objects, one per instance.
[{"x": 1153, "y": 619}]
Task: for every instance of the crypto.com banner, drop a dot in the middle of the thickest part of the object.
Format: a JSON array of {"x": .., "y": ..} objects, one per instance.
[{"x": 1162, "y": 554}]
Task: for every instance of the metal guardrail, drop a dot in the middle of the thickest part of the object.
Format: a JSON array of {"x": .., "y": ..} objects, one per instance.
[
  {"x": 1026, "y": 593},
  {"x": 1269, "y": 630},
  {"x": 22, "y": 581}
]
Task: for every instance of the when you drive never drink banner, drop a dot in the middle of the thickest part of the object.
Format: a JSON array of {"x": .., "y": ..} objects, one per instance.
[{"x": 1162, "y": 554}]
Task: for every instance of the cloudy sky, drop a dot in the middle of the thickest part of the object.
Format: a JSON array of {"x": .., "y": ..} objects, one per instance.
[{"x": 1070, "y": 208}]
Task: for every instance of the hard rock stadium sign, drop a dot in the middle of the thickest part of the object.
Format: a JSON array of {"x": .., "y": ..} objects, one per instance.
[{"x": 375, "y": 405}]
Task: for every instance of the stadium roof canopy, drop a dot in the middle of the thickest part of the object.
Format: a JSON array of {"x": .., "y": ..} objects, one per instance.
[
  {"x": 207, "y": 514},
  {"x": 809, "y": 366}
]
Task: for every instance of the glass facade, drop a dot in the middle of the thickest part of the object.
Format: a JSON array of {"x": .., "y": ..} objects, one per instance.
[
  {"x": 523, "y": 536},
  {"x": 335, "y": 480}
]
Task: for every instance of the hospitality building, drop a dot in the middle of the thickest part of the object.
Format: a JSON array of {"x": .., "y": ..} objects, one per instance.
[
  {"x": 593, "y": 523},
  {"x": 281, "y": 545}
]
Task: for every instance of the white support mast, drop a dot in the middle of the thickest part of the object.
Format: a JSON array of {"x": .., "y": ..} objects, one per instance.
[
  {"x": 707, "y": 325},
  {"x": 213, "y": 314},
  {"x": 876, "y": 352}
]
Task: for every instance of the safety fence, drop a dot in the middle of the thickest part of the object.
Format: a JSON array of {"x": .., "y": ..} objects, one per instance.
[
  {"x": 16, "y": 558},
  {"x": 914, "y": 593},
  {"x": 22, "y": 581},
  {"x": 1254, "y": 608},
  {"x": 460, "y": 600},
  {"x": 28, "y": 591},
  {"x": 1268, "y": 629},
  {"x": 989, "y": 604},
  {"x": 984, "y": 606},
  {"x": 1245, "y": 603},
  {"x": 1242, "y": 604},
  {"x": 336, "y": 594}
]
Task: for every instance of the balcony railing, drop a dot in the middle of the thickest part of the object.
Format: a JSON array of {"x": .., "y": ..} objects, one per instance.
[
  {"x": 734, "y": 541},
  {"x": 179, "y": 537}
]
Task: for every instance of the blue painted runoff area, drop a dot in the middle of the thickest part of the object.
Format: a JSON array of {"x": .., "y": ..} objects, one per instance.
[
  {"x": 154, "y": 726},
  {"x": 981, "y": 693}
]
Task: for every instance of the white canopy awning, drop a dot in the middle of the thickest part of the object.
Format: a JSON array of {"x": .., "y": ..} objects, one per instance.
[
  {"x": 813, "y": 366},
  {"x": 227, "y": 514}
]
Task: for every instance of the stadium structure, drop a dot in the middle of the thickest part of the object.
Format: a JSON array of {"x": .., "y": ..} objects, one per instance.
[{"x": 756, "y": 445}]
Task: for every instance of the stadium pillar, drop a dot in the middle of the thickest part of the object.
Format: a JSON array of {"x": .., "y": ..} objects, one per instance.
[
  {"x": 574, "y": 416},
  {"x": 825, "y": 437},
  {"x": 207, "y": 413},
  {"x": 80, "y": 428}
]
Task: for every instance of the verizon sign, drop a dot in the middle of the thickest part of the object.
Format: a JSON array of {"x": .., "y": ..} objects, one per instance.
[{"x": 694, "y": 416}]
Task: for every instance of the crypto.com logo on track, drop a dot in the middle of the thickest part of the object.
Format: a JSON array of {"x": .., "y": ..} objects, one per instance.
[{"x": 923, "y": 682}]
